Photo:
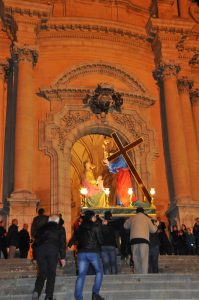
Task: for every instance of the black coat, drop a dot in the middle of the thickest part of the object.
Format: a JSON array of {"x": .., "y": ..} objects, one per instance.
[
  {"x": 37, "y": 222},
  {"x": 89, "y": 237},
  {"x": 3, "y": 239},
  {"x": 24, "y": 239},
  {"x": 108, "y": 233},
  {"x": 13, "y": 236},
  {"x": 52, "y": 234}
]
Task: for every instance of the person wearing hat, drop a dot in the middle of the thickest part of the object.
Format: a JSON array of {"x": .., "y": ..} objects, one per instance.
[
  {"x": 88, "y": 238},
  {"x": 140, "y": 226}
]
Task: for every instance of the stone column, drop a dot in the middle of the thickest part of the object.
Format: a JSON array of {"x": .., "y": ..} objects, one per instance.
[
  {"x": 195, "y": 110},
  {"x": 176, "y": 138},
  {"x": 3, "y": 67},
  {"x": 23, "y": 196},
  {"x": 183, "y": 8},
  {"x": 184, "y": 85}
]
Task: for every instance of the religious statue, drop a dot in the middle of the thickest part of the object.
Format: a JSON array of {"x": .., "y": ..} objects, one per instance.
[
  {"x": 96, "y": 196},
  {"x": 123, "y": 181}
]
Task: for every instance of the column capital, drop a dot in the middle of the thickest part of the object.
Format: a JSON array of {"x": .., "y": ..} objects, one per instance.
[
  {"x": 25, "y": 53},
  {"x": 184, "y": 84},
  {"x": 4, "y": 68},
  {"x": 166, "y": 70},
  {"x": 194, "y": 96}
]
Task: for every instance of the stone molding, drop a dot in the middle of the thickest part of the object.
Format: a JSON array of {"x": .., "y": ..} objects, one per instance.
[
  {"x": 62, "y": 94},
  {"x": 26, "y": 8},
  {"x": 194, "y": 95},
  {"x": 172, "y": 26},
  {"x": 103, "y": 68},
  {"x": 93, "y": 28},
  {"x": 25, "y": 53},
  {"x": 184, "y": 84},
  {"x": 166, "y": 70}
]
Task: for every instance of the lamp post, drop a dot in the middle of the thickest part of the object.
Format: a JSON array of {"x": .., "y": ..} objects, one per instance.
[
  {"x": 152, "y": 192},
  {"x": 83, "y": 192},
  {"x": 107, "y": 193}
]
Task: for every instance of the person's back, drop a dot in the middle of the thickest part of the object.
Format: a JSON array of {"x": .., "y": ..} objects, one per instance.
[
  {"x": 108, "y": 248},
  {"x": 140, "y": 226},
  {"x": 50, "y": 243},
  {"x": 89, "y": 238},
  {"x": 38, "y": 221}
]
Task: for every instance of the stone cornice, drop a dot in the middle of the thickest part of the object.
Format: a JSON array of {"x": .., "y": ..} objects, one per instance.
[
  {"x": 24, "y": 53},
  {"x": 26, "y": 8},
  {"x": 184, "y": 84},
  {"x": 94, "y": 26},
  {"x": 173, "y": 26},
  {"x": 71, "y": 93},
  {"x": 166, "y": 70}
]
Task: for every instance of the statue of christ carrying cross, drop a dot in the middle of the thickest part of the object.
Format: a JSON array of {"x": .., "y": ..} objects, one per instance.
[{"x": 123, "y": 166}]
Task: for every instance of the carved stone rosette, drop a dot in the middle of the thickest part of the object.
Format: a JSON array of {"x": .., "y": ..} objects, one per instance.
[
  {"x": 184, "y": 84},
  {"x": 25, "y": 53},
  {"x": 166, "y": 70}
]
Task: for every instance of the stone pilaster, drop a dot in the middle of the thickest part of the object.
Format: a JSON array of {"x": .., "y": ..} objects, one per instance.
[
  {"x": 184, "y": 85},
  {"x": 3, "y": 70},
  {"x": 23, "y": 196},
  {"x": 176, "y": 138},
  {"x": 195, "y": 110}
]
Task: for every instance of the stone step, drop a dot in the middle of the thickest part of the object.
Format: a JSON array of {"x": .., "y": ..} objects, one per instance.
[{"x": 114, "y": 287}]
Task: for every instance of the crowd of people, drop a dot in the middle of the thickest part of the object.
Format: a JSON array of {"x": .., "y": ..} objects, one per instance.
[{"x": 97, "y": 241}]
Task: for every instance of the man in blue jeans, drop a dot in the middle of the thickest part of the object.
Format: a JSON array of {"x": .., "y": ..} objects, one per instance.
[{"x": 89, "y": 238}]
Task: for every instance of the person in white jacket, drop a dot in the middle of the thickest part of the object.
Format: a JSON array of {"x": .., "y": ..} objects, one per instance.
[{"x": 140, "y": 226}]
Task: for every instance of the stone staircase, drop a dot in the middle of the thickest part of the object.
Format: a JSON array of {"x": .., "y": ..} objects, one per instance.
[{"x": 178, "y": 279}]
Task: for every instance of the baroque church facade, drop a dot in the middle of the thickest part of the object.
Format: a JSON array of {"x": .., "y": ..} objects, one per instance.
[{"x": 55, "y": 53}]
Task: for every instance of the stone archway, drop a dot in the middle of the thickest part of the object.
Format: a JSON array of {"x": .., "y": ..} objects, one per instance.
[{"x": 59, "y": 133}]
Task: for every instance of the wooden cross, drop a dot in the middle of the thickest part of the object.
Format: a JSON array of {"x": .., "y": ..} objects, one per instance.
[{"x": 123, "y": 151}]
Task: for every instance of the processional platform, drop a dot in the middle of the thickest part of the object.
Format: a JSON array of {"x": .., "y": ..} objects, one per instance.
[{"x": 118, "y": 211}]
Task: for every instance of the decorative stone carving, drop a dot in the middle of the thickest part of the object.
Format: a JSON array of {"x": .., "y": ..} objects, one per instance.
[
  {"x": 4, "y": 68},
  {"x": 59, "y": 91},
  {"x": 165, "y": 70},
  {"x": 25, "y": 53},
  {"x": 66, "y": 124},
  {"x": 195, "y": 60},
  {"x": 184, "y": 84},
  {"x": 194, "y": 96},
  {"x": 104, "y": 99}
]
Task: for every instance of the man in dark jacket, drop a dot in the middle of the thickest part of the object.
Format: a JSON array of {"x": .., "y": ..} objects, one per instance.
[
  {"x": 24, "y": 241},
  {"x": 38, "y": 221},
  {"x": 89, "y": 238},
  {"x": 13, "y": 238},
  {"x": 50, "y": 242}
]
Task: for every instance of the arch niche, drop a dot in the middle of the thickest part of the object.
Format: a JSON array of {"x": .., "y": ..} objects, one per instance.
[{"x": 69, "y": 121}]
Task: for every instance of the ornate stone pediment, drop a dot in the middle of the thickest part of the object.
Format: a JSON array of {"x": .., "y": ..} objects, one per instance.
[{"x": 60, "y": 90}]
